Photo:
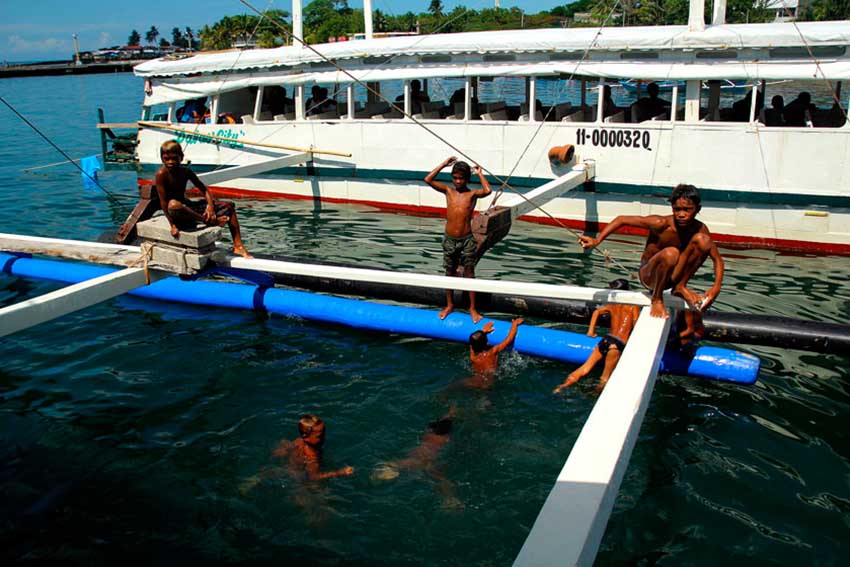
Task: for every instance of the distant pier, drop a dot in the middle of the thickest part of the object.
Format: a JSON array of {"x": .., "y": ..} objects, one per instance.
[{"x": 66, "y": 68}]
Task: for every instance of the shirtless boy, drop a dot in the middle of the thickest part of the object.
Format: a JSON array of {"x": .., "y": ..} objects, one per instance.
[
  {"x": 484, "y": 357},
  {"x": 623, "y": 319},
  {"x": 304, "y": 454},
  {"x": 458, "y": 244},
  {"x": 182, "y": 213},
  {"x": 676, "y": 247}
]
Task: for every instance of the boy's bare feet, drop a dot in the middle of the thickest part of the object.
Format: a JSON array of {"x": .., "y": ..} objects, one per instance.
[
  {"x": 657, "y": 309},
  {"x": 476, "y": 316},
  {"x": 448, "y": 309}
]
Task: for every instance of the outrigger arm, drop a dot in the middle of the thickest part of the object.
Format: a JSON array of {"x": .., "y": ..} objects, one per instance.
[
  {"x": 493, "y": 225},
  {"x": 148, "y": 202}
]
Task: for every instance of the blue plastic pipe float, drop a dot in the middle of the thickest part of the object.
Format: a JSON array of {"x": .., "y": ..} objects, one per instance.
[{"x": 708, "y": 362}]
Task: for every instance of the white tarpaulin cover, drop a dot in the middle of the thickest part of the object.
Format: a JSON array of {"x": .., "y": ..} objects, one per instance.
[{"x": 206, "y": 74}]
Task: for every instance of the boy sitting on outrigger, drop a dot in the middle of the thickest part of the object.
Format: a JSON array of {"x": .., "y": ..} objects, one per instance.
[
  {"x": 183, "y": 213},
  {"x": 459, "y": 247},
  {"x": 676, "y": 247}
]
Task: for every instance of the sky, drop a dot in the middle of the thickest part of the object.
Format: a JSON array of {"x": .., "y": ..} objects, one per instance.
[{"x": 42, "y": 30}]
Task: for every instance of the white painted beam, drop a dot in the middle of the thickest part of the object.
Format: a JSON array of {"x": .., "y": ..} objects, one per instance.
[
  {"x": 213, "y": 177},
  {"x": 97, "y": 252},
  {"x": 122, "y": 255},
  {"x": 571, "y": 523},
  {"x": 72, "y": 298},
  {"x": 224, "y": 258},
  {"x": 521, "y": 205}
]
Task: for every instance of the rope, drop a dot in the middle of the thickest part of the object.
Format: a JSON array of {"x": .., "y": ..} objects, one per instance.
[
  {"x": 503, "y": 182},
  {"x": 145, "y": 256},
  {"x": 115, "y": 199}
]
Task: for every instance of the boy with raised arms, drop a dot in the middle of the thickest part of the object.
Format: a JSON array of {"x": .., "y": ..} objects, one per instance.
[{"x": 459, "y": 247}]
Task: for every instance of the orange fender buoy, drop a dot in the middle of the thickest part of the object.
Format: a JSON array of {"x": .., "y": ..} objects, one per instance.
[{"x": 561, "y": 154}]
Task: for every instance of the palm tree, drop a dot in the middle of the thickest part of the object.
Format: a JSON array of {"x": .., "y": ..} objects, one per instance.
[{"x": 151, "y": 36}]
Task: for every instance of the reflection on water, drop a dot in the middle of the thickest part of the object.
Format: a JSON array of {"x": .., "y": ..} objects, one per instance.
[{"x": 128, "y": 428}]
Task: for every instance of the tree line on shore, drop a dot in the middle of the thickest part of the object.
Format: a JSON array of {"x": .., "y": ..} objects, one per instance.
[{"x": 331, "y": 19}]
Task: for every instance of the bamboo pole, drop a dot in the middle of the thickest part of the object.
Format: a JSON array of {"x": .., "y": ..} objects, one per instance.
[{"x": 154, "y": 125}]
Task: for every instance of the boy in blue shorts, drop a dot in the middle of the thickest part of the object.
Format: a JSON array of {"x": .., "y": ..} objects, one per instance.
[{"x": 459, "y": 247}]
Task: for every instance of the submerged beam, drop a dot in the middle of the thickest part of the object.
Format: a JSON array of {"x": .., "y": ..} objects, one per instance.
[
  {"x": 221, "y": 175},
  {"x": 72, "y": 298},
  {"x": 571, "y": 523}
]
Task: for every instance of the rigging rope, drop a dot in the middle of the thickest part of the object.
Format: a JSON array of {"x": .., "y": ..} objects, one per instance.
[
  {"x": 503, "y": 183},
  {"x": 112, "y": 196}
]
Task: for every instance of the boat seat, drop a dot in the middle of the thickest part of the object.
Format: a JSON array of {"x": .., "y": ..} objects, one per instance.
[
  {"x": 618, "y": 117},
  {"x": 491, "y": 107},
  {"x": 563, "y": 109},
  {"x": 662, "y": 116},
  {"x": 329, "y": 115},
  {"x": 283, "y": 117},
  {"x": 248, "y": 119},
  {"x": 577, "y": 116},
  {"x": 538, "y": 116},
  {"x": 501, "y": 114},
  {"x": 437, "y": 107}
]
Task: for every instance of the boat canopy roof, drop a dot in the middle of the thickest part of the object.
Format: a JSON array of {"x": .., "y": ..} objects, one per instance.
[{"x": 803, "y": 50}]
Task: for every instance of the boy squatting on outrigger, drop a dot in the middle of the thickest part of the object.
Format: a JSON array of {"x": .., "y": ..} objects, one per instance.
[
  {"x": 677, "y": 245},
  {"x": 459, "y": 247},
  {"x": 183, "y": 213}
]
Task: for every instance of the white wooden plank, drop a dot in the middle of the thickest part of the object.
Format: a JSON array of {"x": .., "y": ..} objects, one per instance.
[
  {"x": 571, "y": 523},
  {"x": 221, "y": 175},
  {"x": 72, "y": 298},
  {"x": 442, "y": 282},
  {"x": 124, "y": 255},
  {"x": 521, "y": 205}
]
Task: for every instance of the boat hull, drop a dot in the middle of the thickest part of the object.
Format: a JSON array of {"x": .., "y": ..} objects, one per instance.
[{"x": 781, "y": 188}]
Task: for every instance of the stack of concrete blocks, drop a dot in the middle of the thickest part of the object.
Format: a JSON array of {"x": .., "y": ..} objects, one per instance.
[{"x": 186, "y": 254}]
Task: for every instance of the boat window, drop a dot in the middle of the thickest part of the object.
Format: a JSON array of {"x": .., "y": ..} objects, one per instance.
[
  {"x": 803, "y": 52},
  {"x": 277, "y": 104},
  {"x": 639, "y": 55},
  {"x": 729, "y": 54},
  {"x": 371, "y": 105},
  {"x": 497, "y": 57},
  {"x": 322, "y": 102},
  {"x": 500, "y": 98},
  {"x": 192, "y": 111},
  {"x": 560, "y": 100},
  {"x": 234, "y": 105},
  {"x": 378, "y": 60},
  {"x": 447, "y": 98},
  {"x": 157, "y": 113},
  {"x": 436, "y": 59},
  {"x": 567, "y": 56}
]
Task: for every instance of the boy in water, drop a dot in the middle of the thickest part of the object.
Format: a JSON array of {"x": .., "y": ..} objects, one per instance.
[
  {"x": 623, "y": 319},
  {"x": 304, "y": 454},
  {"x": 676, "y": 247},
  {"x": 424, "y": 457},
  {"x": 484, "y": 357},
  {"x": 459, "y": 247},
  {"x": 182, "y": 213}
]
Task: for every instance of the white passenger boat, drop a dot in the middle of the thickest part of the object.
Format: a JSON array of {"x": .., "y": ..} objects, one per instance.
[{"x": 504, "y": 99}]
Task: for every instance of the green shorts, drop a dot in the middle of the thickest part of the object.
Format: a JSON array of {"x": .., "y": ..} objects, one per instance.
[{"x": 458, "y": 252}]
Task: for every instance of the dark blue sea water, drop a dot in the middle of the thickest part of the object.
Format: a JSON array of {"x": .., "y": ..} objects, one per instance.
[{"x": 133, "y": 431}]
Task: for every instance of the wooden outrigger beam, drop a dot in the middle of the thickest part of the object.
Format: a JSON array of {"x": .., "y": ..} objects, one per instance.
[
  {"x": 493, "y": 225},
  {"x": 221, "y": 175},
  {"x": 73, "y": 298},
  {"x": 570, "y": 526},
  {"x": 521, "y": 205},
  {"x": 149, "y": 202},
  {"x": 213, "y": 139}
]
